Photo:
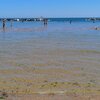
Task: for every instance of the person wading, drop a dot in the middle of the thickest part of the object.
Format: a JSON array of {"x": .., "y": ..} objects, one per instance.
[{"x": 4, "y": 23}]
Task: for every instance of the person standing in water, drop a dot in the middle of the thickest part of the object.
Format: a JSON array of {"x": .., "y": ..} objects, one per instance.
[
  {"x": 70, "y": 21},
  {"x": 45, "y": 21},
  {"x": 4, "y": 23},
  {"x": 11, "y": 23}
]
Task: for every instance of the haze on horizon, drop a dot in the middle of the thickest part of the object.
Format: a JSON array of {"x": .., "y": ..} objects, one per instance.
[{"x": 49, "y": 8}]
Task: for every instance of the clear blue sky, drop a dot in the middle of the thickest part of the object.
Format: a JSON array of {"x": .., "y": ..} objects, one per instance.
[{"x": 50, "y": 8}]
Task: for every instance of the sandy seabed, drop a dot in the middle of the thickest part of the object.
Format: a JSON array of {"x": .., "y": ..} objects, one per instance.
[{"x": 43, "y": 69}]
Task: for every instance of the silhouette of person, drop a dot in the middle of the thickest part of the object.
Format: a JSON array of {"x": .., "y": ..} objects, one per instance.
[
  {"x": 4, "y": 23},
  {"x": 70, "y": 21},
  {"x": 45, "y": 21}
]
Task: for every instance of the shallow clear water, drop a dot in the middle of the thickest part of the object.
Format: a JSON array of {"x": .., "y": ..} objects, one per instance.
[
  {"x": 77, "y": 33},
  {"x": 60, "y": 44},
  {"x": 33, "y": 57}
]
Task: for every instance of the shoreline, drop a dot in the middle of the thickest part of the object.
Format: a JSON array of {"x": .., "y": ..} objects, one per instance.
[{"x": 54, "y": 97}]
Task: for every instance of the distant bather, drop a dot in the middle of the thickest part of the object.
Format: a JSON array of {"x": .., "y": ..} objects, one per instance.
[{"x": 4, "y": 23}]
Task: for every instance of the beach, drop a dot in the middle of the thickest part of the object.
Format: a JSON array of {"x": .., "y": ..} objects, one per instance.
[{"x": 59, "y": 61}]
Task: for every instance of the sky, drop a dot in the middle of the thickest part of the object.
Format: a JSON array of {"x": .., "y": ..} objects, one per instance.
[{"x": 50, "y": 8}]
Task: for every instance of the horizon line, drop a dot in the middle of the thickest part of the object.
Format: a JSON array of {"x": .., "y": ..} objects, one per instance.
[{"x": 50, "y": 17}]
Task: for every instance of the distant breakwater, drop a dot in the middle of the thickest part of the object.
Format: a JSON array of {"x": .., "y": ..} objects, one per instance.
[{"x": 51, "y": 19}]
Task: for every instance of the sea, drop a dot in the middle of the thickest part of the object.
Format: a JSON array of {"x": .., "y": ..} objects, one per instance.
[
  {"x": 79, "y": 29},
  {"x": 66, "y": 43}
]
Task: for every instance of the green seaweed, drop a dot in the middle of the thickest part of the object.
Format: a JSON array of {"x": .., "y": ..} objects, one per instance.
[{"x": 2, "y": 97}]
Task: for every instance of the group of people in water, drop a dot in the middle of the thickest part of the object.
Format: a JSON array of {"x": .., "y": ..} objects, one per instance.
[{"x": 45, "y": 21}]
